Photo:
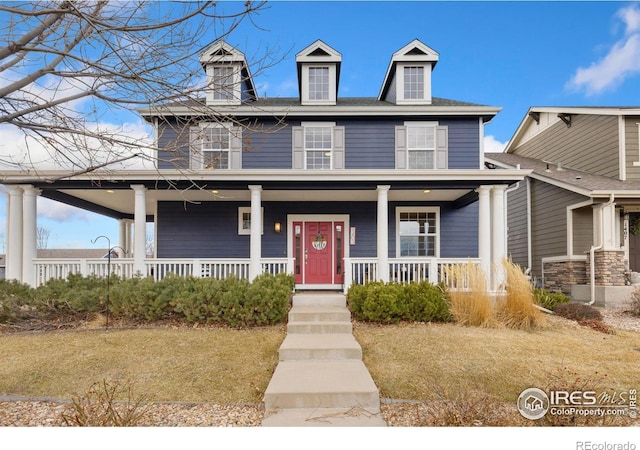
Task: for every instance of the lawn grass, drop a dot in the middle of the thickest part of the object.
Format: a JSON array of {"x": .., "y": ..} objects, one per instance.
[
  {"x": 222, "y": 366},
  {"x": 446, "y": 361},
  {"x": 406, "y": 361}
]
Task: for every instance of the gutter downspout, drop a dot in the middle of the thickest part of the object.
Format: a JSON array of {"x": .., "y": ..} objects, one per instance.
[{"x": 592, "y": 253}]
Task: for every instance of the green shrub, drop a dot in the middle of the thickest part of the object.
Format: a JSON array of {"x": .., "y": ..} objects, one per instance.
[
  {"x": 138, "y": 299},
  {"x": 578, "y": 311},
  {"x": 549, "y": 299},
  {"x": 392, "y": 302},
  {"x": 74, "y": 295},
  {"x": 16, "y": 300}
]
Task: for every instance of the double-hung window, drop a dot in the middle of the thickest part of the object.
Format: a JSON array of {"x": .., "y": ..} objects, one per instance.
[
  {"x": 418, "y": 232},
  {"x": 318, "y": 146},
  {"x": 215, "y": 148},
  {"x": 421, "y": 146}
]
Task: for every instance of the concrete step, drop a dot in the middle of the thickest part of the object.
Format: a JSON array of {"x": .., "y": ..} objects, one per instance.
[
  {"x": 322, "y": 384},
  {"x": 323, "y": 417},
  {"x": 319, "y": 313},
  {"x": 311, "y": 327},
  {"x": 319, "y": 299},
  {"x": 323, "y": 346}
]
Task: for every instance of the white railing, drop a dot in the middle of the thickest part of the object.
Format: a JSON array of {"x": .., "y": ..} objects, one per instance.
[
  {"x": 158, "y": 268},
  {"x": 402, "y": 270}
]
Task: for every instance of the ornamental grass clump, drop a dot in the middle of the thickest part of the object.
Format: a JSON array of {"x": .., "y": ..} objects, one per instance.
[
  {"x": 516, "y": 309},
  {"x": 469, "y": 299}
]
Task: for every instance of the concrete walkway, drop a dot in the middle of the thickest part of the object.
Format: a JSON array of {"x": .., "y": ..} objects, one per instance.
[{"x": 321, "y": 379}]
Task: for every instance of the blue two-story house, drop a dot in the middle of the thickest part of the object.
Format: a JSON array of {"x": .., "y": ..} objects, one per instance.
[{"x": 334, "y": 190}]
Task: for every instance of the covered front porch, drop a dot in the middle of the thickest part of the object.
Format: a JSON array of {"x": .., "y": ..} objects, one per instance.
[{"x": 399, "y": 227}]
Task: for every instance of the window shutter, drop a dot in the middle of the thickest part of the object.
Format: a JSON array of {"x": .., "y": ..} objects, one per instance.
[
  {"x": 235, "y": 148},
  {"x": 442, "y": 147},
  {"x": 401, "y": 147},
  {"x": 338, "y": 147},
  {"x": 298, "y": 147},
  {"x": 195, "y": 147}
]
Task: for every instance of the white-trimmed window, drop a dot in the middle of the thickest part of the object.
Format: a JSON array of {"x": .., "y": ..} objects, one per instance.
[
  {"x": 422, "y": 146},
  {"x": 244, "y": 220},
  {"x": 223, "y": 83},
  {"x": 319, "y": 83},
  {"x": 414, "y": 83},
  {"x": 216, "y": 146},
  {"x": 318, "y": 146},
  {"x": 418, "y": 232}
]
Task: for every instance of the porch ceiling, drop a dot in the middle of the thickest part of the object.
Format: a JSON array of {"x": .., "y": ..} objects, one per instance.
[{"x": 120, "y": 203}]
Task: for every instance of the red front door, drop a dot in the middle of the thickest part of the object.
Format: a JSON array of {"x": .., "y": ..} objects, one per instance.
[{"x": 318, "y": 252}]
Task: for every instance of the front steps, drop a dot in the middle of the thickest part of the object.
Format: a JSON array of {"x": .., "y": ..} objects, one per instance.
[{"x": 321, "y": 379}]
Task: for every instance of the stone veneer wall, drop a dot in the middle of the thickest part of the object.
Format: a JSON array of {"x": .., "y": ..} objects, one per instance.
[
  {"x": 560, "y": 275},
  {"x": 609, "y": 268}
]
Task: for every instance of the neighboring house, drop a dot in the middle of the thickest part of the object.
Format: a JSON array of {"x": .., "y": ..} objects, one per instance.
[
  {"x": 580, "y": 207},
  {"x": 333, "y": 190}
]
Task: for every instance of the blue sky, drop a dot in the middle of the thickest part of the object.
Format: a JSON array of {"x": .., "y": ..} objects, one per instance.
[{"x": 508, "y": 54}]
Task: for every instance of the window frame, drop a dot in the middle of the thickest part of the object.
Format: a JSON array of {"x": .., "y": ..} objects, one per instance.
[
  {"x": 433, "y": 127},
  {"x": 306, "y": 98},
  {"x": 205, "y": 128},
  {"x": 418, "y": 209},
  {"x": 401, "y": 82},
  {"x": 228, "y": 93},
  {"x": 242, "y": 210},
  {"x": 329, "y": 127}
]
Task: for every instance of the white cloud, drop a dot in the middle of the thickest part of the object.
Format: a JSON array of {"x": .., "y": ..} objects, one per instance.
[
  {"x": 492, "y": 145},
  {"x": 60, "y": 212},
  {"x": 621, "y": 62}
]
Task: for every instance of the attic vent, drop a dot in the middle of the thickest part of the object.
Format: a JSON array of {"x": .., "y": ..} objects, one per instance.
[
  {"x": 220, "y": 52},
  {"x": 415, "y": 51},
  {"x": 318, "y": 52}
]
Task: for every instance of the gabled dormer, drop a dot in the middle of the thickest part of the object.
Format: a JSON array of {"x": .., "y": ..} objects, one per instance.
[
  {"x": 228, "y": 79},
  {"x": 318, "y": 74},
  {"x": 408, "y": 78}
]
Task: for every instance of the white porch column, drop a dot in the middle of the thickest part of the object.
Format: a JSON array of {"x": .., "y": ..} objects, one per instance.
[
  {"x": 484, "y": 230},
  {"x": 140, "y": 229},
  {"x": 383, "y": 233},
  {"x": 255, "y": 247},
  {"x": 498, "y": 238},
  {"x": 29, "y": 233},
  {"x": 122, "y": 238},
  {"x": 609, "y": 227},
  {"x": 14, "y": 235}
]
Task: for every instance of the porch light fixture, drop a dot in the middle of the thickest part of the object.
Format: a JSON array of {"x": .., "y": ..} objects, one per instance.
[
  {"x": 426, "y": 191},
  {"x": 277, "y": 227},
  {"x": 110, "y": 191}
]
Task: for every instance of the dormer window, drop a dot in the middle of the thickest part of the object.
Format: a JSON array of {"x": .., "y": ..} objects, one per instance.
[
  {"x": 318, "y": 74},
  {"x": 319, "y": 83},
  {"x": 408, "y": 78},
  {"x": 224, "y": 84},
  {"x": 228, "y": 79},
  {"x": 414, "y": 82}
]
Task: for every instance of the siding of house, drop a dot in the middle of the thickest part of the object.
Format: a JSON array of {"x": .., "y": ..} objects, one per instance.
[
  {"x": 210, "y": 229},
  {"x": 517, "y": 243},
  {"x": 632, "y": 145},
  {"x": 549, "y": 221},
  {"x": 582, "y": 230},
  {"x": 369, "y": 144},
  {"x": 590, "y": 145}
]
